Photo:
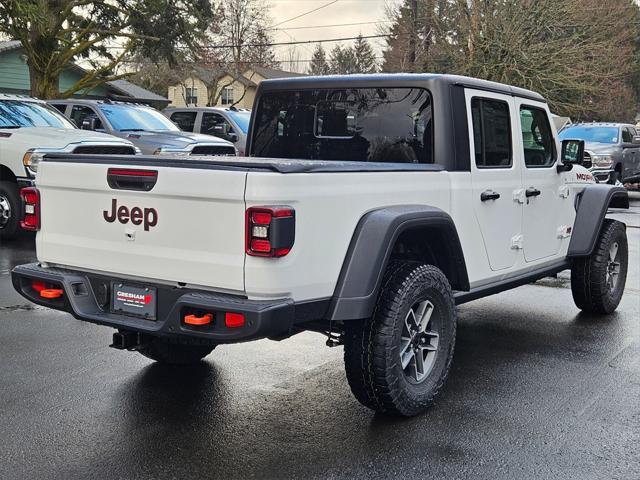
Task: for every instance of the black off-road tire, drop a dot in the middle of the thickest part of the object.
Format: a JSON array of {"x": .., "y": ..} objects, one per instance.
[
  {"x": 589, "y": 287},
  {"x": 10, "y": 192},
  {"x": 170, "y": 353},
  {"x": 372, "y": 346}
]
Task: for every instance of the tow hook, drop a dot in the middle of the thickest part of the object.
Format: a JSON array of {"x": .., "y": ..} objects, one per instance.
[
  {"x": 334, "y": 340},
  {"x": 126, "y": 340}
]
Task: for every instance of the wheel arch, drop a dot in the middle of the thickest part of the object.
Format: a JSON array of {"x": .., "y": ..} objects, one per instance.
[
  {"x": 592, "y": 205},
  {"x": 6, "y": 175},
  {"x": 408, "y": 232}
]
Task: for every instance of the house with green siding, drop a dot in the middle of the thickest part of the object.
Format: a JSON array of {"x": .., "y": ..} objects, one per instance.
[{"x": 14, "y": 78}]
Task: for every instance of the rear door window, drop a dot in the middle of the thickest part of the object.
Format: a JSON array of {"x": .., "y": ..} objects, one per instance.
[
  {"x": 491, "y": 133},
  {"x": 185, "y": 120},
  {"x": 390, "y": 125}
]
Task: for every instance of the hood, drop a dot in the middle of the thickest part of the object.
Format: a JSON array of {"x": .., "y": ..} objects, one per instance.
[
  {"x": 178, "y": 139},
  {"x": 596, "y": 147},
  {"x": 47, "y": 137}
]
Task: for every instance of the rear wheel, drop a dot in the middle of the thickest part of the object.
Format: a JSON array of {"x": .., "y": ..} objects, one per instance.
[
  {"x": 167, "y": 352},
  {"x": 398, "y": 360},
  {"x": 597, "y": 281},
  {"x": 9, "y": 207}
]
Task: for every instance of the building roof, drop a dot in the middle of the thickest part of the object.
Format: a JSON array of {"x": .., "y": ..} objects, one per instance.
[
  {"x": 271, "y": 73},
  {"x": 121, "y": 87},
  {"x": 132, "y": 90},
  {"x": 6, "y": 45}
]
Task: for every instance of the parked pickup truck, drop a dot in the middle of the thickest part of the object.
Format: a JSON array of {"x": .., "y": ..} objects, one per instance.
[
  {"x": 28, "y": 130},
  {"x": 146, "y": 127},
  {"x": 372, "y": 206}
]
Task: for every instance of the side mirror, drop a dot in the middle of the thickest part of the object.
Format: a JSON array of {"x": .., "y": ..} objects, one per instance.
[
  {"x": 636, "y": 140},
  {"x": 572, "y": 154},
  {"x": 90, "y": 123},
  {"x": 233, "y": 137}
]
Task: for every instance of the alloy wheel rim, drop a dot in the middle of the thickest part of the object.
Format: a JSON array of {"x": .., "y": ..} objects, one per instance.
[
  {"x": 419, "y": 342},
  {"x": 613, "y": 267},
  {"x": 5, "y": 211}
]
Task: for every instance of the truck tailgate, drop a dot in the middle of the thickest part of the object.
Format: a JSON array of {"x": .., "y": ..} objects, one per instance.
[{"x": 188, "y": 228}]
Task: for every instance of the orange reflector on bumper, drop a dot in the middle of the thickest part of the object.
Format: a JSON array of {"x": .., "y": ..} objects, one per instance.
[
  {"x": 234, "y": 320},
  {"x": 51, "y": 293},
  {"x": 198, "y": 321}
]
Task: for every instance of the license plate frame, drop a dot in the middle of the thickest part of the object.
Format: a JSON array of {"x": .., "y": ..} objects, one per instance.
[{"x": 134, "y": 300}]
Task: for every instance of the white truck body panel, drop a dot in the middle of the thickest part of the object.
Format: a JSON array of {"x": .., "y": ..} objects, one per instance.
[{"x": 198, "y": 239}]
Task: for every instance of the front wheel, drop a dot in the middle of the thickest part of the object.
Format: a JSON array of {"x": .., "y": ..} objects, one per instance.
[
  {"x": 397, "y": 361},
  {"x": 597, "y": 281},
  {"x": 9, "y": 206},
  {"x": 167, "y": 352}
]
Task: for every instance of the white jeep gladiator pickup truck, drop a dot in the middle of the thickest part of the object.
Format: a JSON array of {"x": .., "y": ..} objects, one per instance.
[
  {"x": 29, "y": 128},
  {"x": 372, "y": 206}
]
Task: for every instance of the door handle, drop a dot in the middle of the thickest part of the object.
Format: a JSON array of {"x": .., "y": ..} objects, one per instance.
[
  {"x": 532, "y": 192},
  {"x": 489, "y": 195}
]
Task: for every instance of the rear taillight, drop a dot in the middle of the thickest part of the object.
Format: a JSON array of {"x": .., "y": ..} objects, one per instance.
[
  {"x": 31, "y": 204},
  {"x": 271, "y": 231}
]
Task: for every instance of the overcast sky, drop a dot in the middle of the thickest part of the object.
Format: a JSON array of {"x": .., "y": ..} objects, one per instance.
[{"x": 341, "y": 12}]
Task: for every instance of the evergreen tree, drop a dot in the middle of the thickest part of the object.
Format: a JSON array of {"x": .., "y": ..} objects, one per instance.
[
  {"x": 343, "y": 61},
  {"x": 364, "y": 56},
  {"x": 319, "y": 65}
]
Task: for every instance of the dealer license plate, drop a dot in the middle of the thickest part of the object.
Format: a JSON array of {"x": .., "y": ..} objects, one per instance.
[{"x": 134, "y": 300}]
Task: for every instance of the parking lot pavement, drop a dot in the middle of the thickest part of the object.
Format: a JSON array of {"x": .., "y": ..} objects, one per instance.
[{"x": 536, "y": 390}]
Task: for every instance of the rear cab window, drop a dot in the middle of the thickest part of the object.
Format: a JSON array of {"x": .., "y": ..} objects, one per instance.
[{"x": 390, "y": 125}]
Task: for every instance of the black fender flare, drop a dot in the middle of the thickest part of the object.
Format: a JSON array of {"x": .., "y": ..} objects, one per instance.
[
  {"x": 591, "y": 208},
  {"x": 370, "y": 250}
]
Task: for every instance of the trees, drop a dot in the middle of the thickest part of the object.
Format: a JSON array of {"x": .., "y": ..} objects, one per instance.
[
  {"x": 319, "y": 64},
  {"x": 359, "y": 58},
  {"x": 365, "y": 57},
  {"x": 580, "y": 54},
  {"x": 54, "y": 34}
]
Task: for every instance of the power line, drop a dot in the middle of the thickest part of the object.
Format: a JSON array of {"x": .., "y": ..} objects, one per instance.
[
  {"x": 299, "y": 42},
  {"x": 306, "y": 13},
  {"x": 308, "y": 27}
]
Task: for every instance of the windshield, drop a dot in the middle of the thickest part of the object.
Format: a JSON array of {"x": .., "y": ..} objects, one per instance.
[
  {"x": 241, "y": 119},
  {"x": 133, "y": 118},
  {"x": 17, "y": 114},
  {"x": 591, "y": 134},
  {"x": 391, "y": 125}
]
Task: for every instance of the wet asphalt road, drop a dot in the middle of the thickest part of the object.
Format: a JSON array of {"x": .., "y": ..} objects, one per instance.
[{"x": 537, "y": 390}]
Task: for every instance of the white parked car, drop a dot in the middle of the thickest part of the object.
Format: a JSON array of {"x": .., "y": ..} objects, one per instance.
[
  {"x": 29, "y": 129},
  {"x": 392, "y": 199}
]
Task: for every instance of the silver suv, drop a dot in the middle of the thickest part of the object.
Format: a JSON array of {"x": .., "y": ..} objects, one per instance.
[
  {"x": 229, "y": 124},
  {"x": 146, "y": 127}
]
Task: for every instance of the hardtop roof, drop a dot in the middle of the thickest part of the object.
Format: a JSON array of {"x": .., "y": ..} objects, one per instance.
[{"x": 424, "y": 80}]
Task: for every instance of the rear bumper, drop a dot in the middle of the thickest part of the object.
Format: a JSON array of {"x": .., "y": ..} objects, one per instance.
[{"x": 88, "y": 298}]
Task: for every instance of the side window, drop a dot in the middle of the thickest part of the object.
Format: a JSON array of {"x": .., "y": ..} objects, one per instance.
[
  {"x": 627, "y": 136},
  {"x": 80, "y": 112},
  {"x": 491, "y": 133},
  {"x": 537, "y": 139},
  {"x": 185, "y": 120},
  {"x": 216, "y": 125},
  {"x": 61, "y": 107}
]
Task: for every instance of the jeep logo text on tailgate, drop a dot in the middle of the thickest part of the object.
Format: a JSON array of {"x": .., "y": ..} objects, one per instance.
[{"x": 137, "y": 215}]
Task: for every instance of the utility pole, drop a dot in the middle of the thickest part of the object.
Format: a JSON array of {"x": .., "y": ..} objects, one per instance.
[
  {"x": 413, "y": 35},
  {"x": 473, "y": 26}
]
